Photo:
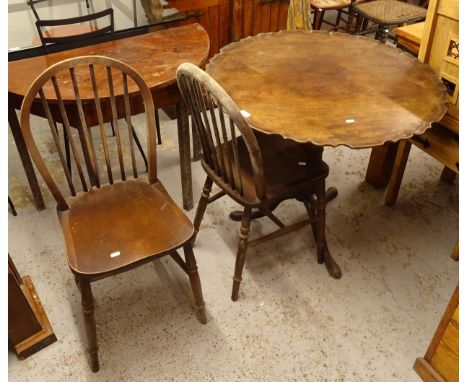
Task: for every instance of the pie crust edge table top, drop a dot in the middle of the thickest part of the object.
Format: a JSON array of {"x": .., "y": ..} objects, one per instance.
[{"x": 329, "y": 89}]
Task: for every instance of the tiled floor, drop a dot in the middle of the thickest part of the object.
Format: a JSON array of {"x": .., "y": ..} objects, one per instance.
[{"x": 292, "y": 321}]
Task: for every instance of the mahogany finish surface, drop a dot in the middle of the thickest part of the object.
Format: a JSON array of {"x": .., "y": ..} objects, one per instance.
[
  {"x": 155, "y": 56},
  {"x": 329, "y": 89}
]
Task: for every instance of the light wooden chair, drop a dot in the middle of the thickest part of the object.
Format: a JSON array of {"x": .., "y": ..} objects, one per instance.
[
  {"x": 319, "y": 7},
  {"x": 258, "y": 171},
  {"x": 112, "y": 221}
]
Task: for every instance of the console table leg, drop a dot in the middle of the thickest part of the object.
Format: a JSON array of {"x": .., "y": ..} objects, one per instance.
[
  {"x": 184, "y": 153},
  {"x": 25, "y": 158}
]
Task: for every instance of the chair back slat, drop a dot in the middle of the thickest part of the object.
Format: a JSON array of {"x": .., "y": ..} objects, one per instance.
[
  {"x": 97, "y": 102},
  {"x": 80, "y": 93},
  {"x": 53, "y": 130},
  {"x": 66, "y": 124},
  {"x": 228, "y": 158},
  {"x": 84, "y": 134},
  {"x": 235, "y": 153},
  {"x": 194, "y": 107},
  {"x": 116, "y": 123},
  {"x": 221, "y": 145},
  {"x": 128, "y": 118},
  {"x": 200, "y": 97}
]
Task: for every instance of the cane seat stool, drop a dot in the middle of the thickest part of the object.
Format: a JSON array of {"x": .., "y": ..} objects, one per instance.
[
  {"x": 386, "y": 13},
  {"x": 256, "y": 170},
  {"x": 112, "y": 219}
]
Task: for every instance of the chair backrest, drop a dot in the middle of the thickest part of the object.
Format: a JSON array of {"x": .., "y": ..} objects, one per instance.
[
  {"x": 48, "y": 37},
  {"x": 36, "y": 15},
  {"x": 68, "y": 91},
  {"x": 219, "y": 130}
]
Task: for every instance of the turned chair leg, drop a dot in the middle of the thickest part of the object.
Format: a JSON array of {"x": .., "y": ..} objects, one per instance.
[
  {"x": 338, "y": 19},
  {"x": 316, "y": 20},
  {"x": 241, "y": 251},
  {"x": 195, "y": 283},
  {"x": 202, "y": 206},
  {"x": 90, "y": 322}
]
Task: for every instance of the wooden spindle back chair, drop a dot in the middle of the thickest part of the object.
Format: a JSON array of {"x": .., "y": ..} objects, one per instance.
[
  {"x": 62, "y": 82},
  {"x": 219, "y": 124},
  {"x": 112, "y": 219},
  {"x": 32, "y": 3},
  {"x": 256, "y": 170}
]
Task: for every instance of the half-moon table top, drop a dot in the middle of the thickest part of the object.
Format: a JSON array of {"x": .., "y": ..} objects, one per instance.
[
  {"x": 329, "y": 89},
  {"x": 155, "y": 55}
]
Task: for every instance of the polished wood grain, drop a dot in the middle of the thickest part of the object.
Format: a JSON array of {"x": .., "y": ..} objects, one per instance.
[
  {"x": 316, "y": 87},
  {"x": 112, "y": 219},
  {"x": 155, "y": 56},
  {"x": 254, "y": 169}
]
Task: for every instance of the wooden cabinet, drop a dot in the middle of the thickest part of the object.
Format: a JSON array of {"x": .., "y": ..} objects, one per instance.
[
  {"x": 232, "y": 20},
  {"x": 213, "y": 15},
  {"x": 251, "y": 17},
  {"x": 441, "y": 360},
  {"x": 439, "y": 49}
]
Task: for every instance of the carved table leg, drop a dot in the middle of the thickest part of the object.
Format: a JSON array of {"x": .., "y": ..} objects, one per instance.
[
  {"x": 184, "y": 153},
  {"x": 316, "y": 210}
]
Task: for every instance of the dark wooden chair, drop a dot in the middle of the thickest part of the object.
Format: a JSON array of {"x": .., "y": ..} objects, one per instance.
[
  {"x": 32, "y": 4},
  {"x": 93, "y": 31},
  {"x": 384, "y": 14},
  {"x": 112, "y": 221},
  {"x": 256, "y": 170}
]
